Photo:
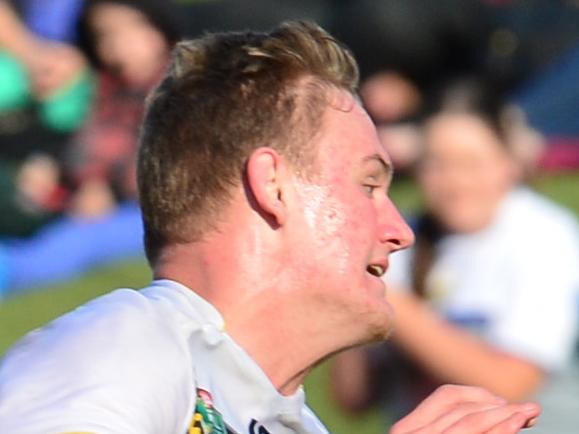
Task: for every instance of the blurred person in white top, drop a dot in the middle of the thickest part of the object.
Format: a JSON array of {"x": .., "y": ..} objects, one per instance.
[{"x": 487, "y": 296}]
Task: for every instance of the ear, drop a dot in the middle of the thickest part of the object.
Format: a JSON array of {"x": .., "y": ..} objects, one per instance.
[{"x": 266, "y": 176}]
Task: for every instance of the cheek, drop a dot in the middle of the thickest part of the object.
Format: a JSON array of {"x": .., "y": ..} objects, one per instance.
[
  {"x": 331, "y": 236},
  {"x": 452, "y": 190},
  {"x": 348, "y": 237},
  {"x": 150, "y": 46},
  {"x": 329, "y": 225}
]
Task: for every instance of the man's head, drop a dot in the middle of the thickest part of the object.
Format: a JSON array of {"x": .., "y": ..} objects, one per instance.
[
  {"x": 262, "y": 181},
  {"x": 225, "y": 96}
]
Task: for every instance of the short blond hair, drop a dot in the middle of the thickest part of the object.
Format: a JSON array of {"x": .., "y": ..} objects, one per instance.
[{"x": 225, "y": 95}]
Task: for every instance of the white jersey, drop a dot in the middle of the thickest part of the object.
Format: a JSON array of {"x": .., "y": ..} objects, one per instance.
[{"x": 155, "y": 361}]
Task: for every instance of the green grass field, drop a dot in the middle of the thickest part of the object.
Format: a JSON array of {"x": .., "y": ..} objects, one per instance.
[{"x": 22, "y": 314}]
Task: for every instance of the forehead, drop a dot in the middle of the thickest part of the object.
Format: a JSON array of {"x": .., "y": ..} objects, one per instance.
[
  {"x": 348, "y": 138},
  {"x": 105, "y": 15},
  {"x": 460, "y": 134}
]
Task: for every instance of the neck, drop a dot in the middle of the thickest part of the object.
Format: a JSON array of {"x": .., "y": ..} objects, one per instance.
[
  {"x": 262, "y": 313},
  {"x": 285, "y": 346}
]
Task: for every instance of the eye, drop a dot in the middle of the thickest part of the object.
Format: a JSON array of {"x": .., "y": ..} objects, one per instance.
[{"x": 370, "y": 188}]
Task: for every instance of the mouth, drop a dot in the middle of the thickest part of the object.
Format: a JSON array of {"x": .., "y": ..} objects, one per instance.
[{"x": 376, "y": 270}]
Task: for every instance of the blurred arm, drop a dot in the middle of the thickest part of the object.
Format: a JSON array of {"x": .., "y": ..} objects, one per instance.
[
  {"x": 453, "y": 355},
  {"x": 51, "y": 65},
  {"x": 350, "y": 380},
  {"x": 14, "y": 37}
]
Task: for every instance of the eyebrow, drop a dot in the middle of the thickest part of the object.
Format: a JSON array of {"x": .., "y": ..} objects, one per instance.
[{"x": 386, "y": 168}]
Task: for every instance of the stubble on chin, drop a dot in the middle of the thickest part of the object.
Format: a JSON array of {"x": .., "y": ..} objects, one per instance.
[{"x": 380, "y": 330}]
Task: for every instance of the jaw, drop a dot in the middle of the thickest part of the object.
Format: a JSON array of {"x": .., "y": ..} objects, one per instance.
[
  {"x": 373, "y": 317},
  {"x": 381, "y": 321}
]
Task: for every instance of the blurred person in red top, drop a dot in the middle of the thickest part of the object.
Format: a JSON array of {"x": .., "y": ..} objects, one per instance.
[{"x": 129, "y": 42}]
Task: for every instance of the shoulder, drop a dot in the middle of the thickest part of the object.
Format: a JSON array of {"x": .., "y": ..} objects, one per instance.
[
  {"x": 114, "y": 329},
  {"x": 121, "y": 356},
  {"x": 539, "y": 241},
  {"x": 533, "y": 218},
  {"x": 531, "y": 207}
]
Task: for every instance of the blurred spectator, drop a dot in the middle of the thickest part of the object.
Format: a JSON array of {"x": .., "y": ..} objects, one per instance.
[
  {"x": 50, "y": 64},
  {"x": 45, "y": 92},
  {"x": 129, "y": 41},
  {"x": 487, "y": 296}
]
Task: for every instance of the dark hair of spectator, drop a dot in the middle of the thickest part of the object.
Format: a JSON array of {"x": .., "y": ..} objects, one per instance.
[
  {"x": 474, "y": 96},
  {"x": 158, "y": 12}
]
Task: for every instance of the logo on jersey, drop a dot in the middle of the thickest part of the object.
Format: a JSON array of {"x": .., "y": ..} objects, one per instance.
[
  {"x": 257, "y": 428},
  {"x": 206, "y": 419}
]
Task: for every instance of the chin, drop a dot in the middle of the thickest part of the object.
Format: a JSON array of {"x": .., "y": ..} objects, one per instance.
[
  {"x": 136, "y": 80},
  {"x": 380, "y": 323},
  {"x": 462, "y": 220},
  {"x": 378, "y": 333}
]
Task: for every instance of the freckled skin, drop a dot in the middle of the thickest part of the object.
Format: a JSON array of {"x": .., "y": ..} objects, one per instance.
[{"x": 345, "y": 228}]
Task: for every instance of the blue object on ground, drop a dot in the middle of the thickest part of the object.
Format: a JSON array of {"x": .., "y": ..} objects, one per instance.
[{"x": 69, "y": 247}]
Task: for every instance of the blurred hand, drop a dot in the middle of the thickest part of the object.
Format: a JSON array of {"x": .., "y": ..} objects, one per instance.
[
  {"x": 38, "y": 180},
  {"x": 94, "y": 198},
  {"x": 467, "y": 410},
  {"x": 53, "y": 66}
]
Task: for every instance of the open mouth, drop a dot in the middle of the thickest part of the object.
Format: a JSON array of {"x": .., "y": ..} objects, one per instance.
[{"x": 376, "y": 270}]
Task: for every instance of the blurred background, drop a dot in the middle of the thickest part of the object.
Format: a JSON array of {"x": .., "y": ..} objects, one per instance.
[{"x": 456, "y": 88}]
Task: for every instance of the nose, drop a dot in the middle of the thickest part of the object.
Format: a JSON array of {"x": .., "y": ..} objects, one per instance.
[{"x": 394, "y": 230}]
